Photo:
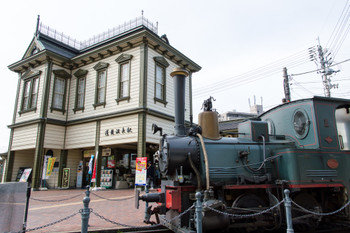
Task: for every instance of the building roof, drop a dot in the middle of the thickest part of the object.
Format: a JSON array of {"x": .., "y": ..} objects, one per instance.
[{"x": 72, "y": 54}]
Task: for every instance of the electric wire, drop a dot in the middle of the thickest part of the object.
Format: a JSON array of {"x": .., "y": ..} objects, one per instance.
[{"x": 297, "y": 59}]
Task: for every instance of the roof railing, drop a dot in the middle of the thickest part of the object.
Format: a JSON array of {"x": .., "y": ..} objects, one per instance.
[{"x": 127, "y": 26}]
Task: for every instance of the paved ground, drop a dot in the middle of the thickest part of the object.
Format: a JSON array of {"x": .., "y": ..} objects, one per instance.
[{"x": 124, "y": 211}]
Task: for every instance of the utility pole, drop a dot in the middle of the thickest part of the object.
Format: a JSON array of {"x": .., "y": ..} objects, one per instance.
[
  {"x": 325, "y": 62},
  {"x": 286, "y": 85}
]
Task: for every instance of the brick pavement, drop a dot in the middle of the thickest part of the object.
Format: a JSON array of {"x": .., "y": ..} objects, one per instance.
[{"x": 41, "y": 213}]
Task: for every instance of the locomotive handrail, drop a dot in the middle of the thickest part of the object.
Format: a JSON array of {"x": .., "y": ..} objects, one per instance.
[{"x": 205, "y": 161}]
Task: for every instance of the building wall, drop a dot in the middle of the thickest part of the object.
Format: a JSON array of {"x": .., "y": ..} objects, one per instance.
[
  {"x": 168, "y": 128},
  {"x": 170, "y": 106},
  {"x": 24, "y": 137},
  {"x": 80, "y": 136},
  {"x": 23, "y": 158},
  {"x": 119, "y": 123},
  {"x": 52, "y": 181},
  {"x": 32, "y": 114},
  {"x": 54, "y": 136},
  {"x": 111, "y": 88},
  {"x": 73, "y": 158}
]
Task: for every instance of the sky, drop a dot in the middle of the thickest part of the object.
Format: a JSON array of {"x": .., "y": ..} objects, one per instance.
[{"x": 242, "y": 46}]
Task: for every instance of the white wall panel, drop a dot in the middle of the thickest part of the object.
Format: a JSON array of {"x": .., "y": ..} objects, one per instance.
[
  {"x": 119, "y": 123},
  {"x": 54, "y": 136},
  {"x": 24, "y": 137},
  {"x": 79, "y": 136}
]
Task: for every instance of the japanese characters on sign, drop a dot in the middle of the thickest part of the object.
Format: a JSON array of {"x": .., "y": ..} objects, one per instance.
[{"x": 117, "y": 131}]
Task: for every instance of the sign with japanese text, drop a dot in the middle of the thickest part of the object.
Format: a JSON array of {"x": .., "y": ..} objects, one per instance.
[{"x": 141, "y": 171}]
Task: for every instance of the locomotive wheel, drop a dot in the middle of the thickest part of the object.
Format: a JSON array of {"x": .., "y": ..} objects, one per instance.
[
  {"x": 249, "y": 201},
  {"x": 304, "y": 221}
]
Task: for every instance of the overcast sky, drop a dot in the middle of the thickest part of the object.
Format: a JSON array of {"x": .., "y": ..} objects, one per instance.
[{"x": 242, "y": 46}]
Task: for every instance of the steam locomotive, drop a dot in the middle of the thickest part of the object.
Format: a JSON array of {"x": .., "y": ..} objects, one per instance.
[{"x": 303, "y": 146}]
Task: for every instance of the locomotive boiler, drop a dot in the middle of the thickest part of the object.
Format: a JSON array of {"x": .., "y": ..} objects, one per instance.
[{"x": 303, "y": 146}]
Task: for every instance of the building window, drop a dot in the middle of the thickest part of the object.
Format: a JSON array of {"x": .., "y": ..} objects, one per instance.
[
  {"x": 101, "y": 83},
  {"x": 58, "y": 93},
  {"x": 30, "y": 94},
  {"x": 160, "y": 80},
  {"x": 59, "y": 90},
  {"x": 80, "y": 90},
  {"x": 101, "y": 87},
  {"x": 124, "y": 61}
]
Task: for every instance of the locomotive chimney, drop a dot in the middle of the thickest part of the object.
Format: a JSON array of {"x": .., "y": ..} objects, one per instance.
[{"x": 179, "y": 76}]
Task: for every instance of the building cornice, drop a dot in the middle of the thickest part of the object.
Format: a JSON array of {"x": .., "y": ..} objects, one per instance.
[{"x": 94, "y": 118}]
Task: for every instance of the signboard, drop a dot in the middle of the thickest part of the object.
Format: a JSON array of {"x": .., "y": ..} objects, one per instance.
[
  {"x": 65, "y": 177},
  {"x": 25, "y": 175},
  {"x": 141, "y": 171},
  {"x": 80, "y": 175}
]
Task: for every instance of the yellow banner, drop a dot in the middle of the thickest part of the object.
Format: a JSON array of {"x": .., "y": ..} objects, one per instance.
[{"x": 50, "y": 164}]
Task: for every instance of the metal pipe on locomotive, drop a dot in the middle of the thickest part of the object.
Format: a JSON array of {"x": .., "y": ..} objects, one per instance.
[{"x": 301, "y": 145}]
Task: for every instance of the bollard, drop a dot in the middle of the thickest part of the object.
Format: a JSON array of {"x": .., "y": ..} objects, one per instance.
[
  {"x": 288, "y": 207},
  {"x": 85, "y": 212},
  {"x": 147, "y": 217},
  {"x": 199, "y": 212}
]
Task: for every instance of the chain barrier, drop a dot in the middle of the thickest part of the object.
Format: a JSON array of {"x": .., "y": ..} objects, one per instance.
[
  {"x": 65, "y": 199},
  {"x": 49, "y": 224},
  {"x": 108, "y": 199},
  {"x": 142, "y": 227},
  {"x": 320, "y": 214},
  {"x": 169, "y": 222},
  {"x": 121, "y": 224},
  {"x": 246, "y": 215}
]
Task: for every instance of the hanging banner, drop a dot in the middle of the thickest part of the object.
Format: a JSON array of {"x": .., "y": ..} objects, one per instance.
[
  {"x": 93, "y": 178},
  {"x": 50, "y": 163},
  {"x": 141, "y": 171},
  {"x": 46, "y": 160}
]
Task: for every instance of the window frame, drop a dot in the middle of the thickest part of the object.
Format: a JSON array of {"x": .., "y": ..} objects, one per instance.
[
  {"x": 80, "y": 74},
  {"x": 30, "y": 79},
  {"x": 163, "y": 64},
  {"x": 100, "y": 67},
  {"x": 64, "y": 75},
  {"x": 123, "y": 60}
]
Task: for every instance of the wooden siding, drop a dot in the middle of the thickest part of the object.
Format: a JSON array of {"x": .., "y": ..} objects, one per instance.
[
  {"x": 26, "y": 116},
  {"x": 23, "y": 158},
  {"x": 168, "y": 128},
  {"x": 114, "y": 124},
  {"x": 24, "y": 137},
  {"x": 80, "y": 136},
  {"x": 53, "y": 179},
  {"x": 54, "y": 136},
  {"x": 73, "y": 158},
  {"x": 111, "y": 88},
  {"x": 157, "y": 106}
]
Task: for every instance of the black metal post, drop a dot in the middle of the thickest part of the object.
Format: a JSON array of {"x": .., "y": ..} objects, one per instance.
[
  {"x": 29, "y": 187},
  {"x": 85, "y": 212}
]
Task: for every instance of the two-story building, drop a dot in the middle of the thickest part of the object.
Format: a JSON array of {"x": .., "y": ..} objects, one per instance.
[{"x": 97, "y": 97}]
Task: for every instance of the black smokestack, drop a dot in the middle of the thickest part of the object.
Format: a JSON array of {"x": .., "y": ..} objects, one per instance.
[{"x": 179, "y": 76}]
